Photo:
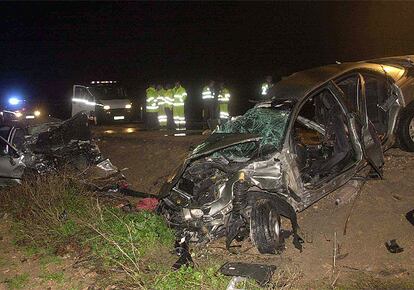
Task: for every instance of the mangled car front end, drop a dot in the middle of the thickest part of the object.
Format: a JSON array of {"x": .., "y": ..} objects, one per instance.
[{"x": 218, "y": 189}]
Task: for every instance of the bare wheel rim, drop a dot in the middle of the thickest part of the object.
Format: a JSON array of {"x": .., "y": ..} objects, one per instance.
[{"x": 411, "y": 129}]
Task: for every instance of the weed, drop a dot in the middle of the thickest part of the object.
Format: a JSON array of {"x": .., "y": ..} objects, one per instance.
[
  {"x": 58, "y": 277},
  {"x": 123, "y": 239},
  {"x": 32, "y": 250},
  {"x": 49, "y": 259},
  {"x": 18, "y": 281},
  {"x": 190, "y": 278}
]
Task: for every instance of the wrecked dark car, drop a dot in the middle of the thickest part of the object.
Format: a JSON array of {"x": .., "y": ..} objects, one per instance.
[
  {"x": 49, "y": 147},
  {"x": 318, "y": 129}
]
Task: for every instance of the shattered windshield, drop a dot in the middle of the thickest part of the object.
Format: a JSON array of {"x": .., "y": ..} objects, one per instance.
[{"x": 268, "y": 122}]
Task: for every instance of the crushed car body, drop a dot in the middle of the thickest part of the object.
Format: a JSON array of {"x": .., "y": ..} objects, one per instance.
[
  {"x": 50, "y": 147},
  {"x": 318, "y": 129}
]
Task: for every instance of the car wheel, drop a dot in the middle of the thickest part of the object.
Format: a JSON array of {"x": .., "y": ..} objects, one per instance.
[
  {"x": 406, "y": 129},
  {"x": 265, "y": 227}
]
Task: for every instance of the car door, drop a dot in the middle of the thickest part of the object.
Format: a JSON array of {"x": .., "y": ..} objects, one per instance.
[
  {"x": 11, "y": 164},
  {"x": 370, "y": 142}
]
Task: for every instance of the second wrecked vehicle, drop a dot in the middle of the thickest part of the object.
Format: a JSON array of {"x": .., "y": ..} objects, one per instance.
[
  {"x": 50, "y": 147},
  {"x": 318, "y": 129}
]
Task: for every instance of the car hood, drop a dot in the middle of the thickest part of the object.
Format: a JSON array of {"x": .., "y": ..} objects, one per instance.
[{"x": 219, "y": 141}]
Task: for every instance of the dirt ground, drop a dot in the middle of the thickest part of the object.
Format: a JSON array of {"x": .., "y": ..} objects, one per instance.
[
  {"x": 34, "y": 269},
  {"x": 378, "y": 212}
]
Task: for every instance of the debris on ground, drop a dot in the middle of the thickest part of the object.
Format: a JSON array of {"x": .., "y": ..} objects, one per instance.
[
  {"x": 410, "y": 216},
  {"x": 148, "y": 203},
  {"x": 261, "y": 273},
  {"x": 183, "y": 251},
  {"x": 348, "y": 192},
  {"x": 234, "y": 282},
  {"x": 393, "y": 247}
]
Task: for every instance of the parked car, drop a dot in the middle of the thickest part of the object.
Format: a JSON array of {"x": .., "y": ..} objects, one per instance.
[{"x": 316, "y": 131}]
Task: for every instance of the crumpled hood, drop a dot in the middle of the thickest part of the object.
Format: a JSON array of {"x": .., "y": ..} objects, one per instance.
[
  {"x": 116, "y": 103},
  {"x": 219, "y": 141}
]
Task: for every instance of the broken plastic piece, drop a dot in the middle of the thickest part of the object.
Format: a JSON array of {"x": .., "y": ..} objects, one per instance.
[
  {"x": 410, "y": 216},
  {"x": 234, "y": 281},
  {"x": 393, "y": 247},
  {"x": 261, "y": 273}
]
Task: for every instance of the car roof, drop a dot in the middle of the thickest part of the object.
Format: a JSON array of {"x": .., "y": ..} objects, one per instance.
[{"x": 300, "y": 84}]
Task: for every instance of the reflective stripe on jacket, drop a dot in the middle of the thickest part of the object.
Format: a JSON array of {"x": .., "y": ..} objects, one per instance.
[
  {"x": 207, "y": 93},
  {"x": 151, "y": 100}
]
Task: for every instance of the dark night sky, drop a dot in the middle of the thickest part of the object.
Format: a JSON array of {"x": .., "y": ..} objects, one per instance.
[{"x": 47, "y": 47}]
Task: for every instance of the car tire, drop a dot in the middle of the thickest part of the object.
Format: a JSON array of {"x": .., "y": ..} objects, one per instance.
[
  {"x": 265, "y": 227},
  {"x": 406, "y": 129}
]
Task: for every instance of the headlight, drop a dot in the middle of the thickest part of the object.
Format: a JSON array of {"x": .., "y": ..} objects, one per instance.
[
  {"x": 19, "y": 114},
  {"x": 129, "y": 106},
  {"x": 106, "y": 107},
  {"x": 36, "y": 113}
]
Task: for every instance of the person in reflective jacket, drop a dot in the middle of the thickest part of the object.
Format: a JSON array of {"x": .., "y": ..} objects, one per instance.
[
  {"x": 180, "y": 95},
  {"x": 210, "y": 104},
  {"x": 151, "y": 108},
  {"x": 223, "y": 101},
  {"x": 266, "y": 86},
  {"x": 169, "y": 103},
  {"x": 162, "y": 117}
]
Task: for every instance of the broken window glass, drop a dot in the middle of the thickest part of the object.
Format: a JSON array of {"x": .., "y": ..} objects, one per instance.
[{"x": 270, "y": 123}]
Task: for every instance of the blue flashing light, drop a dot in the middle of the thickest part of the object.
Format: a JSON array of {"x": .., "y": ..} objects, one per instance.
[{"x": 14, "y": 101}]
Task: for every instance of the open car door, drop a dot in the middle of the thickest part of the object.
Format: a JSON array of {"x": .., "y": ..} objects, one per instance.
[
  {"x": 370, "y": 142},
  {"x": 11, "y": 165}
]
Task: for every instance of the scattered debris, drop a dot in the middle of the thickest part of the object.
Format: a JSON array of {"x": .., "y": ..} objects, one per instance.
[
  {"x": 183, "y": 251},
  {"x": 261, "y": 273},
  {"x": 410, "y": 216},
  {"x": 234, "y": 282},
  {"x": 396, "y": 197},
  {"x": 393, "y": 247}
]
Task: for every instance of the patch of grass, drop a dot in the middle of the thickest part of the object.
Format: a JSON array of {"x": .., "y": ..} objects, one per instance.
[
  {"x": 58, "y": 277},
  {"x": 54, "y": 210},
  {"x": 47, "y": 209},
  {"x": 135, "y": 233},
  {"x": 32, "y": 250},
  {"x": 190, "y": 278},
  {"x": 18, "y": 281},
  {"x": 125, "y": 239}
]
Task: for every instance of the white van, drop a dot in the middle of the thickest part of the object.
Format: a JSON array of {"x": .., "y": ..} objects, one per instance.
[{"x": 103, "y": 102}]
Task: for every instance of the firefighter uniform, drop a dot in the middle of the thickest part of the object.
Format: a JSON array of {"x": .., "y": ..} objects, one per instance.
[
  {"x": 169, "y": 103},
  {"x": 209, "y": 103},
  {"x": 180, "y": 95},
  {"x": 162, "y": 117},
  {"x": 223, "y": 100},
  {"x": 151, "y": 108}
]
